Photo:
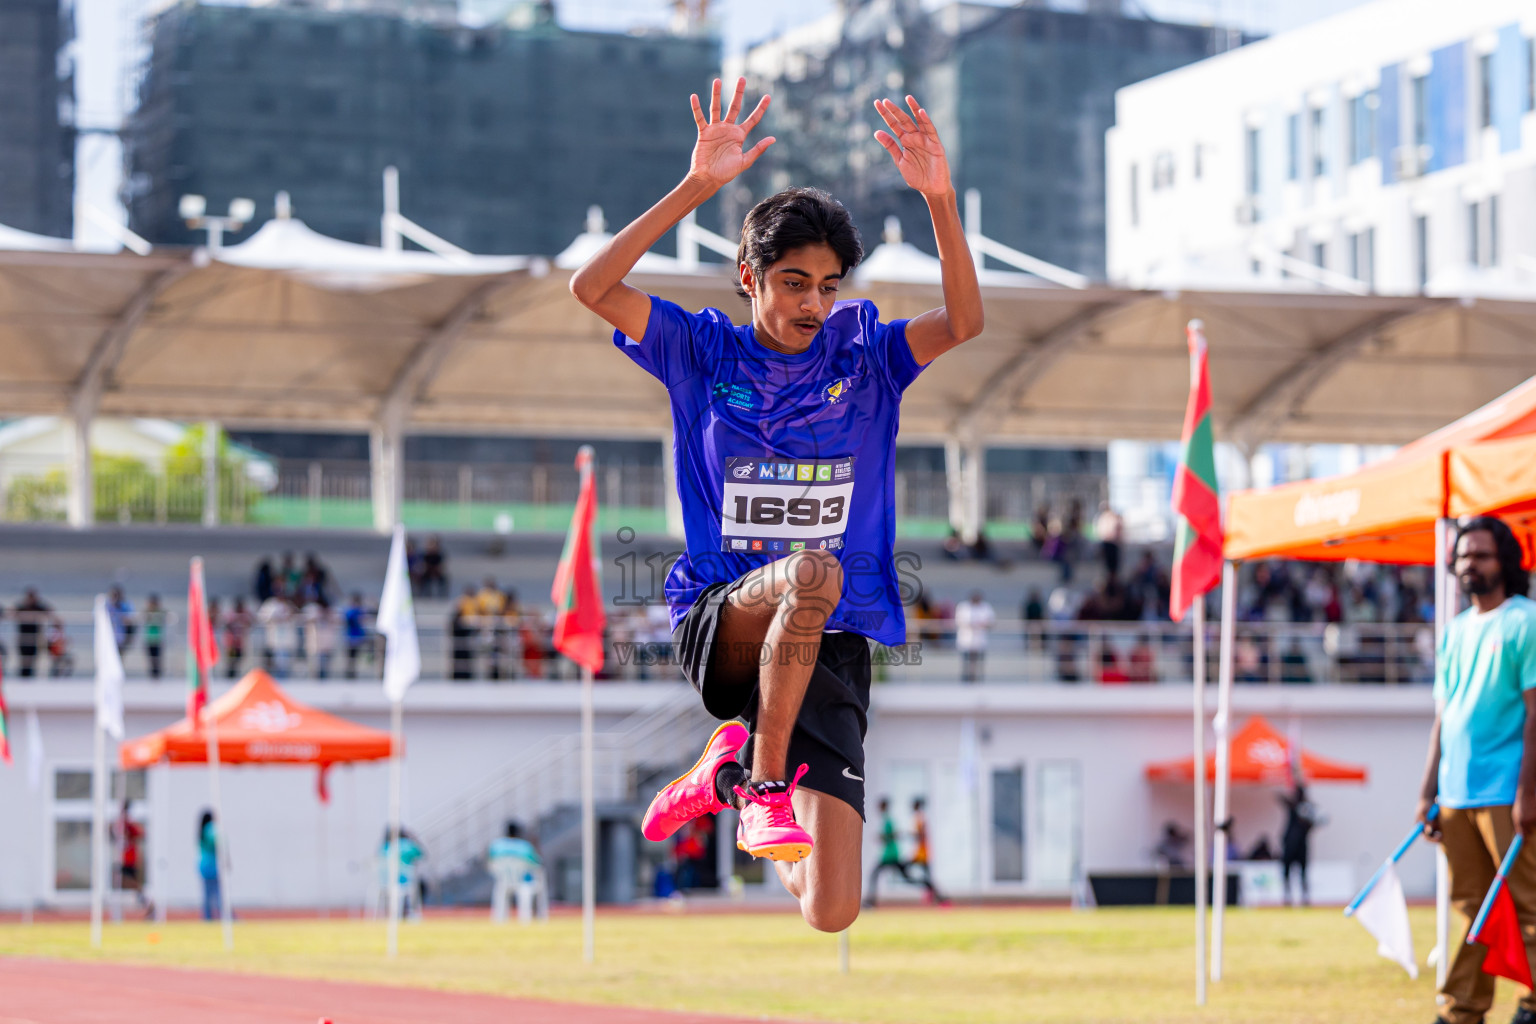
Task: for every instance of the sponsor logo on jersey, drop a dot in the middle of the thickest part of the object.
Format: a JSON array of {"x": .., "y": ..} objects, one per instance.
[
  {"x": 742, "y": 472},
  {"x": 824, "y": 472},
  {"x": 757, "y": 545},
  {"x": 797, "y": 545},
  {"x": 776, "y": 545},
  {"x": 786, "y": 471},
  {"x": 738, "y": 544},
  {"x": 804, "y": 471},
  {"x": 765, "y": 471}
]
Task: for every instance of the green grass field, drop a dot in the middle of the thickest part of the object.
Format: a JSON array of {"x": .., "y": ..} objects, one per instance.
[{"x": 918, "y": 966}]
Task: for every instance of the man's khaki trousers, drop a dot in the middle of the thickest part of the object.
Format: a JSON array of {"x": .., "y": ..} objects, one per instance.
[{"x": 1475, "y": 841}]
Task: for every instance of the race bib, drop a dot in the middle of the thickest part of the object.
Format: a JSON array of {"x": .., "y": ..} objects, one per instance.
[{"x": 772, "y": 506}]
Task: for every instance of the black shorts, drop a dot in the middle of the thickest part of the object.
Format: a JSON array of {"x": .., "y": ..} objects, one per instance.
[{"x": 829, "y": 734}]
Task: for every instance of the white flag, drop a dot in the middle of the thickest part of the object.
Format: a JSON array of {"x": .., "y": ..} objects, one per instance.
[
  {"x": 1384, "y": 912},
  {"x": 397, "y": 623},
  {"x": 109, "y": 673},
  {"x": 34, "y": 751}
]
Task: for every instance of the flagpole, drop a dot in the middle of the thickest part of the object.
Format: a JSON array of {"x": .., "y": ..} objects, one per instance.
[
  {"x": 397, "y": 745},
  {"x": 1223, "y": 723},
  {"x": 220, "y": 834},
  {"x": 1445, "y": 596},
  {"x": 588, "y": 826},
  {"x": 98, "y": 830},
  {"x": 1199, "y": 703}
]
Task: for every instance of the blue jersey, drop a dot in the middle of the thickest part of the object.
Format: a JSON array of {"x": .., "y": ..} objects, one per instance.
[{"x": 776, "y": 453}]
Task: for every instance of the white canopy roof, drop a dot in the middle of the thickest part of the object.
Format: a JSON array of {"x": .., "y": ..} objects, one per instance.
[
  {"x": 16, "y": 240},
  {"x": 275, "y": 334}
]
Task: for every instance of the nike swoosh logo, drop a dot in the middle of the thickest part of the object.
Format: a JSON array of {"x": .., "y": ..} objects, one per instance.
[{"x": 848, "y": 773}]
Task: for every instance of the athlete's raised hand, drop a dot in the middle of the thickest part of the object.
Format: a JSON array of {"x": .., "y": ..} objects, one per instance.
[
  {"x": 914, "y": 145},
  {"x": 717, "y": 156}
]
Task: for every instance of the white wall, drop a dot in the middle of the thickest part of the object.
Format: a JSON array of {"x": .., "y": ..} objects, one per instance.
[
  {"x": 458, "y": 735},
  {"x": 1190, "y": 234}
]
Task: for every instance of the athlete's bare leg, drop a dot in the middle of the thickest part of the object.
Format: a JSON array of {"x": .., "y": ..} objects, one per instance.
[
  {"x": 770, "y": 628},
  {"x": 827, "y": 882}
]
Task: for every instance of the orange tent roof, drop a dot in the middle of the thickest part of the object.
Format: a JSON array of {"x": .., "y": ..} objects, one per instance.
[
  {"x": 261, "y": 724},
  {"x": 1262, "y": 755},
  {"x": 1383, "y": 513}
]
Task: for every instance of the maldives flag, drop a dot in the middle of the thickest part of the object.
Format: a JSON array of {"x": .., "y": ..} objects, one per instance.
[
  {"x": 1197, "y": 546},
  {"x": 1506, "y": 957},
  {"x": 579, "y": 618},
  {"x": 202, "y": 649},
  {"x": 5, "y": 725}
]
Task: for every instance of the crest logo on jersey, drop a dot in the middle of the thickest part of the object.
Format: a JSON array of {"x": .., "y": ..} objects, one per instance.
[{"x": 837, "y": 389}]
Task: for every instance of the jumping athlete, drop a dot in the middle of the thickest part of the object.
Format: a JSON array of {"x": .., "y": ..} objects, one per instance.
[{"x": 785, "y": 431}]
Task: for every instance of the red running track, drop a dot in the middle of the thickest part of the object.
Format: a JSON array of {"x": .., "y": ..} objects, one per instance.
[{"x": 77, "y": 992}]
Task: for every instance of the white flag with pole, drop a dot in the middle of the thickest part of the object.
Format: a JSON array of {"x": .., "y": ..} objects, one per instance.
[
  {"x": 109, "y": 719},
  {"x": 402, "y": 667}
]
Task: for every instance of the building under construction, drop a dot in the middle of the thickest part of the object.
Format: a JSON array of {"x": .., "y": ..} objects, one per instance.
[
  {"x": 37, "y": 138},
  {"x": 503, "y": 135},
  {"x": 1022, "y": 97}
]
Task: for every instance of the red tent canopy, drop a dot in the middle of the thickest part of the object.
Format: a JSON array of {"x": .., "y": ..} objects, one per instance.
[
  {"x": 261, "y": 724},
  {"x": 1260, "y": 755}
]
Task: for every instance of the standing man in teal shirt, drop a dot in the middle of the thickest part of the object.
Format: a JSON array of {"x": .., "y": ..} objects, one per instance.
[{"x": 1482, "y": 754}]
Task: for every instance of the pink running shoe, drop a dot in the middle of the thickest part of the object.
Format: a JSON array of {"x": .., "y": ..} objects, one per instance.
[
  {"x": 693, "y": 793},
  {"x": 768, "y": 827}
]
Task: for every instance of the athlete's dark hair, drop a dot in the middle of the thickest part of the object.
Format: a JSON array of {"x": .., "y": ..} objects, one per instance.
[
  {"x": 791, "y": 219},
  {"x": 1517, "y": 579}
]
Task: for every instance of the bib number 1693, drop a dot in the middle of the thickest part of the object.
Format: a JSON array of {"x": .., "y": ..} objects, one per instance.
[{"x": 768, "y": 510}]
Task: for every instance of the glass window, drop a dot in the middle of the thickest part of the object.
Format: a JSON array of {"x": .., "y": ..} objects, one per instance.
[
  {"x": 1293, "y": 147},
  {"x": 1320, "y": 255},
  {"x": 1421, "y": 249},
  {"x": 1362, "y": 126},
  {"x": 71, "y": 855},
  {"x": 71, "y": 785},
  {"x": 1493, "y": 231},
  {"x": 1474, "y": 211},
  {"x": 1421, "y": 111},
  {"x": 1368, "y": 258},
  {"x": 1162, "y": 171},
  {"x": 1253, "y": 152},
  {"x": 1135, "y": 197},
  {"x": 1319, "y": 143},
  {"x": 1008, "y": 824},
  {"x": 1485, "y": 90}
]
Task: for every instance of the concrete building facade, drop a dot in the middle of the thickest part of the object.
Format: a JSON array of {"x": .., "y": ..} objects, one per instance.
[
  {"x": 1391, "y": 148},
  {"x": 37, "y": 137}
]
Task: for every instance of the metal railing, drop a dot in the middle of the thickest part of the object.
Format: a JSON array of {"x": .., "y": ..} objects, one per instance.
[
  {"x": 511, "y": 648},
  {"x": 548, "y": 775}
]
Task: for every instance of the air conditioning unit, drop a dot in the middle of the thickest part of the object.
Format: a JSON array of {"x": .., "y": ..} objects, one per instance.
[
  {"x": 1410, "y": 161},
  {"x": 1248, "y": 211}
]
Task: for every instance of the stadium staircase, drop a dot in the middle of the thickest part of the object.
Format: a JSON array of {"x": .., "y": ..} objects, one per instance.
[{"x": 542, "y": 788}]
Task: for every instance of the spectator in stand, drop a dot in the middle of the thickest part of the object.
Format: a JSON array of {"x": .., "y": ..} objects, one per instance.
[
  {"x": 490, "y": 604},
  {"x": 316, "y": 583},
  {"x": 324, "y": 628},
  {"x": 120, "y": 614},
  {"x": 1108, "y": 527},
  {"x": 31, "y": 615},
  {"x": 974, "y": 618},
  {"x": 1033, "y": 609},
  {"x": 462, "y": 631},
  {"x": 1148, "y": 589},
  {"x": 413, "y": 564},
  {"x": 1040, "y": 529},
  {"x": 355, "y": 629},
  {"x": 289, "y": 575},
  {"x": 1109, "y": 667},
  {"x": 434, "y": 568},
  {"x": 504, "y": 633},
  {"x": 1072, "y": 528},
  {"x": 1143, "y": 661},
  {"x": 280, "y": 633},
  {"x": 264, "y": 583},
  {"x": 154, "y": 634},
  {"x": 531, "y": 632},
  {"x": 237, "y": 631},
  {"x": 954, "y": 547}
]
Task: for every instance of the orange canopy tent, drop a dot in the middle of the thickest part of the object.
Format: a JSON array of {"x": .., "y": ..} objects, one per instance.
[
  {"x": 1387, "y": 511},
  {"x": 258, "y": 723},
  {"x": 1259, "y": 755},
  {"x": 1497, "y": 478}
]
